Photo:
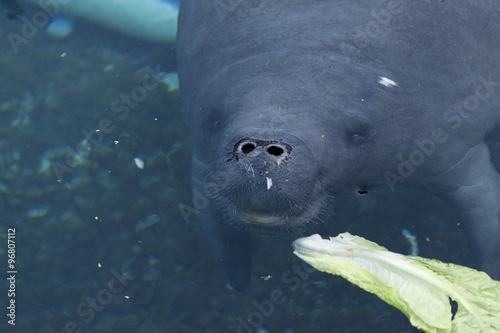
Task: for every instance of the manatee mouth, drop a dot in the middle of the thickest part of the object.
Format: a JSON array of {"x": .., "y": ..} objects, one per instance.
[
  {"x": 270, "y": 221},
  {"x": 262, "y": 218},
  {"x": 279, "y": 217}
]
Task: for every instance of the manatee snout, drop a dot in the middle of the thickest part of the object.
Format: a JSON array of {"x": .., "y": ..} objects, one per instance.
[{"x": 274, "y": 182}]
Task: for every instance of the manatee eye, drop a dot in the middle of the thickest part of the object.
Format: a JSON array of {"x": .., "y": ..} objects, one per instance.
[
  {"x": 357, "y": 139},
  {"x": 358, "y": 134},
  {"x": 214, "y": 119}
]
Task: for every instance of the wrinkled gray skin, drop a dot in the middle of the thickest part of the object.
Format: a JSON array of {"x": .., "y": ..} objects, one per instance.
[{"x": 290, "y": 91}]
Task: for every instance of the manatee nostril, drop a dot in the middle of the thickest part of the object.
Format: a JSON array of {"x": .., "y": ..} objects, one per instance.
[
  {"x": 247, "y": 148},
  {"x": 252, "y": 148},
  {"x": 275, "y": 150}
]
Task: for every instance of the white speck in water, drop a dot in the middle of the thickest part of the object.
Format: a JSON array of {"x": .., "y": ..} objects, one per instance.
[
  {"x": 387, "y": 82},
  {"x": 269, "y": 182},
  {"x": 139, "y": 163}
]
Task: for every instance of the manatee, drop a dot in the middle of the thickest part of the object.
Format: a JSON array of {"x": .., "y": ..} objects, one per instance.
[
  {"x": 147, "y": 20},
  {"x": 291, "y": 103}
]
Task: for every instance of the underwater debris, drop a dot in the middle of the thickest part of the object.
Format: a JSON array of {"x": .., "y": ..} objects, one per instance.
[
  {"x": 139, "y": 162},
  {"x": 412, "y": 239},
  {"x": 147, "y": 222}
]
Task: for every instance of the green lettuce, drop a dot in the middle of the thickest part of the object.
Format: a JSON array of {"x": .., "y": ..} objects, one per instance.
[{"x": 421, "y": 288}]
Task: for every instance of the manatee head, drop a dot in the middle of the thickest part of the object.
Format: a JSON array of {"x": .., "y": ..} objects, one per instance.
[{"x": 278, "y": 141}]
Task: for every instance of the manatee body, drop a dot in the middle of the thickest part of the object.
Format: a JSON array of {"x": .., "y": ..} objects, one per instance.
[{"x": 292, "y": 102}]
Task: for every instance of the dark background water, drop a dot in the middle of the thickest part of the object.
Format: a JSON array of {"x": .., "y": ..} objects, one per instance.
[{"x": 97, "y": 217}]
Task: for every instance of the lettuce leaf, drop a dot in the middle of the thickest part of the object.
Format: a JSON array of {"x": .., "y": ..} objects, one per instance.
[{"x": 421, "y": 288}]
